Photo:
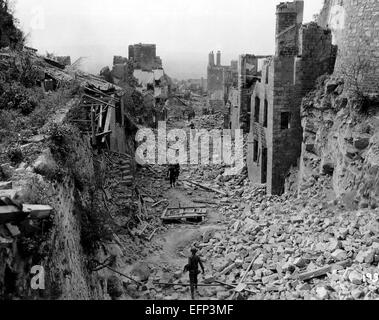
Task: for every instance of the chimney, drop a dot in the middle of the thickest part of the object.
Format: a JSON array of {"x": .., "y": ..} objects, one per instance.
[
  {"x": 211, "y": 59},
  {"x": 218, "y": 58}
]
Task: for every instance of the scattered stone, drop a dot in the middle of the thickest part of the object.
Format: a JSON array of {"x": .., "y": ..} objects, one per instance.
[
  {"x": 339, "y": 255},
  {"x": 355, "y": 277},
  {"x": 322, "y": 293}
]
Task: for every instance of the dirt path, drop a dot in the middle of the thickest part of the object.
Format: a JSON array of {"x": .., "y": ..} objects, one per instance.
[
  {"x": 177, "y": 240},
  {"x": 172, "y": 246}
]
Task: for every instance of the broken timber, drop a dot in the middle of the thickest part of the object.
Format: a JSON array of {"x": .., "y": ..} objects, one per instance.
[
  {"x": 197, "y": 213},
  {"x": 321, "y": 271},
  {"x": 207, "y": 188},
  {"x": 11, "y": 213}
]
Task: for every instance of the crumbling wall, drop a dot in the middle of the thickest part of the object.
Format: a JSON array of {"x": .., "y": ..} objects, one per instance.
[
  {"x": 341, "y": 141},
  {"x": 65, "y": 174},
  {"x": 355, "y": 29}
]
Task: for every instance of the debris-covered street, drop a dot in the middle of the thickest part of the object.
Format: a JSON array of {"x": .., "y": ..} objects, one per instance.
[
  {"x": 253, "y": 245},
  {"x": 208, "y": 164}
]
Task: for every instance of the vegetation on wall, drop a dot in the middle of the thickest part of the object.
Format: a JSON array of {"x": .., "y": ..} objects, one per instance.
[{"x": 10, "y": 34}]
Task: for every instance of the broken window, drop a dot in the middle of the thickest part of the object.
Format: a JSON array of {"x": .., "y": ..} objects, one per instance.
[
  {"x": 285, "y": 120},
  {"x": 255, "y": 155},
  {"x": 265, "y": 114},
  {"x": 256, "y": 109}
]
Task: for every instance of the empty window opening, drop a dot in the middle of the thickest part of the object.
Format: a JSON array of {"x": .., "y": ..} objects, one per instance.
[
  {"x": 255, "y": 155},
  {"x": 285, "y": 120},
  {"x": 265, "y": 114},
  {"x": 267, "y": 71},
  {"x": 264, "y": 165},
  {"x": 256, "y": 109}
]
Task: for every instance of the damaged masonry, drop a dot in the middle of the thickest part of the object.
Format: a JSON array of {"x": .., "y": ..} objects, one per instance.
[{"x": 298, "y": 220}]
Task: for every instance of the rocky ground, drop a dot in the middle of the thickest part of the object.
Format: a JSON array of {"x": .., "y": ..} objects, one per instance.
[{"x": 306, "y": 246}]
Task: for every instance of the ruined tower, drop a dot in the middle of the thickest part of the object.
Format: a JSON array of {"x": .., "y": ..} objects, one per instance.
[
  {"x": 144, "y": 56},
  {"x": 303, "y": 53}
]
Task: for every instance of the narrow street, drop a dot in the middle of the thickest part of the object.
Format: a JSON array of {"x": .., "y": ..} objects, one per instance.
[{"x": 171, "y": 245}]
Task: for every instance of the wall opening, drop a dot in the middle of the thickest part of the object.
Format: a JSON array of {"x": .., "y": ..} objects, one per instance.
[
  {"x": 265, "y": 114},
  {"x": 264, "y": 165},
  {"x": 285, "y": 120},
  {"x": 256, "y": 109},
  {"x": 255, "y": 155},
  {"x": 267, "y": 71}
]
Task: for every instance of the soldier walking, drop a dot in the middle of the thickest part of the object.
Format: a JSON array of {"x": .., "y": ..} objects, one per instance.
[{"x": 193, "y": 268}]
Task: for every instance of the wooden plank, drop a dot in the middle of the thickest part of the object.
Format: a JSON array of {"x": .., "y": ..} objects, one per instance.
[
  {"x": 10, "y": 213},
  {"x": 107, "y": 122},
  {"x": 93, "y": 126},
  {"x": 152, "y": 234},
  {"x": 207, "y": 188},
  {"x": 103, "y": 134},
  {"x": 8, "y": 193},
  {"x": 158, "y": 203},
  {"x": 321, "y": 271},
  {"x": 100, "y": 117},
  {"x": 247, "y": 271},
  {"x": 143, "y": 229},
  {"x": 186, "y": 216},
  {"x": 14, "y": 230},
  {"x": 37, "y": 211},
  {"x": 100, "y": 101},
  {"x": 164, "y": 214}
]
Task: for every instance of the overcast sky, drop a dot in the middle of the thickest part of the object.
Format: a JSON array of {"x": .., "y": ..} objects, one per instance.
[{"x": 185, "y": 31}]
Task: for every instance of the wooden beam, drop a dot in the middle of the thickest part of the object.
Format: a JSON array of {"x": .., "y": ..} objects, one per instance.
[
  {"x": 93, "y": 126},
  {"x": 152, "y": 234},
  {"x": 11, "y": 213},
  {"x": 104, "y": 133},
  {"x": 107, "y": 122},
  {"x": 207, "y": 188},
  {"x": 100, "y": 101},
  {"x": 36, "y": 211},
  {"x": 320, "y": 271},
  {"x": 101, "y": 117}
]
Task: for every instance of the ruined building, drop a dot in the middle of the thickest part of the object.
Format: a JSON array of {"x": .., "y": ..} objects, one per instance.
[
  {"x": 144, "y": 57},
  {"x": 248, "y": 73},
  {"x": 355, "y": 30},
  {"x": 303, "y": 53},
  {"x": 219, "y": 81}
]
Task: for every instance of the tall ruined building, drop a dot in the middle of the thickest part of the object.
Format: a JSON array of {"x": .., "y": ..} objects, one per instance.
[
  {"x": 303, "y": 53},
  {"x": 144, "y": 57}
]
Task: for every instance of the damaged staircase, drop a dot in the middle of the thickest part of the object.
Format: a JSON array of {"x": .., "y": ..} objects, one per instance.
[{"x": 121, "y": 179}]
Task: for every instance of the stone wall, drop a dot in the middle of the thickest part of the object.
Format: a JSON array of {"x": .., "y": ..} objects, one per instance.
[
  {"x": 144, "y": 56},
  {"x": 57, "y": 248},
  {"x": 304, "y": 52},
  {"x": 355, "y": 28},
  {"x": 341, "y": 142}
]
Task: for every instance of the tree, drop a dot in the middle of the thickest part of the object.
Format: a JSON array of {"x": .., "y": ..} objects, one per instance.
[{"x": 10, "y": 34}]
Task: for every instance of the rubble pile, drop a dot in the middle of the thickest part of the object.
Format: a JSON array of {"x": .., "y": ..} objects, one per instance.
[
  {"x": 210, "y": 122},
  {"x": 284, "y": 238}
]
